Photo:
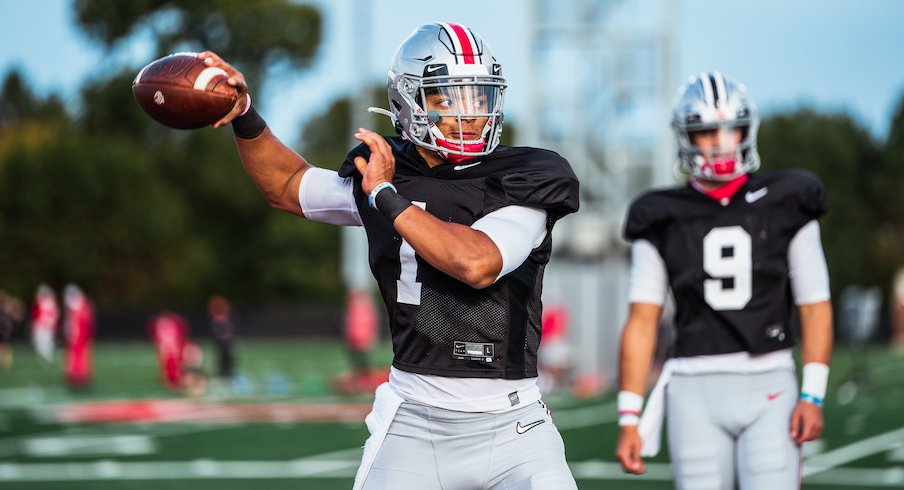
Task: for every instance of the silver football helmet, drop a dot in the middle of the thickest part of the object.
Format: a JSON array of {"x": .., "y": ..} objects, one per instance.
[
  {"x": 455, "y": 70},
  {"x": 714, "y": 102}
]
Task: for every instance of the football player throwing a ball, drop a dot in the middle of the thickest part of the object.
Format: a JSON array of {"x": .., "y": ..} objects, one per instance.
[
  {"x": 459, "y": 232},
  {"x": 738, "y": 251}
]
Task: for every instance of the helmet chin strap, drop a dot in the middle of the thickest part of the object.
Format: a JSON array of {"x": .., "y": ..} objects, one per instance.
[{"x": 468, "y": 146}]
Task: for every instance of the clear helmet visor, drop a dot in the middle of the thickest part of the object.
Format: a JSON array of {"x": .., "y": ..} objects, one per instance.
[
  {"x": 462, "y": 117},
  {"x": 465, "y": 101}
]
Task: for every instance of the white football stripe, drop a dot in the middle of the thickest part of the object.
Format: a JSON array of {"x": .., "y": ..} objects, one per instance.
[
  {"x": 206, "y": 76},
  {"x": 138, "y": 77},
  {"x": 707, "y": 89},
  {"x": 452, "y": 36},
  {"x": 720, "y": 88}
]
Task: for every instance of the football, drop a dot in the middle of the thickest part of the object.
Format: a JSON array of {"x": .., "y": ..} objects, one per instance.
[{"x": 182, "y": 92}]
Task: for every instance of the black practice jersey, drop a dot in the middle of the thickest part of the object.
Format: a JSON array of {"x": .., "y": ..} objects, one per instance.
[
  {"x": 440, "y": 325},
  {"x": 728, "y": 265}
]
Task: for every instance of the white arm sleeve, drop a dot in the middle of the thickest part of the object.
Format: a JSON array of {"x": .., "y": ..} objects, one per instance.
[
  {"x": 807, "y": 266},
  {"x": 516, "y": 230},
  {"x": 328, "y": 198},
  {"x": 649, "y": 282}
]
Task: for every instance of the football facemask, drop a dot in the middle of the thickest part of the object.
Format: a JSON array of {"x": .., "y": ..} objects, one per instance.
[
  {"x": 461, "y": 117},
  {"x": 721, "y": 157}
]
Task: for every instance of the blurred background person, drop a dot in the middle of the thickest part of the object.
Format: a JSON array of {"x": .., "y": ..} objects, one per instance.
[
  {"x": 741, "y": 253},
  {"x": 169, "y": 332},
  {"x": 223, "y": 329},
  {"x": 360, "y": 337},
  {"x": 45, "y": 316},
  {"x": 897, "y": 311},
  {"x": 79, "y": 335},
  {"x": 554, "y": 357},
  {"x": 11, "y": 313}
]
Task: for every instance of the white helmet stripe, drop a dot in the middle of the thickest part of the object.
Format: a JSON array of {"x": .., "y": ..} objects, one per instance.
[
  {"x": 721, "y": 91},
  {"x": 707, "y": 89}
]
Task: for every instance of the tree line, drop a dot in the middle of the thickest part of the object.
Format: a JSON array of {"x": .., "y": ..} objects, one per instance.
[{"x": 142, "y": 215}]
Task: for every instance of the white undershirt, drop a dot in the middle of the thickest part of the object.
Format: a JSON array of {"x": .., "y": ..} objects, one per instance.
[
  {"x": 328, "y": 198},
  {"x": 515, "y": 230},
  {"x": 490, "y": 395}
]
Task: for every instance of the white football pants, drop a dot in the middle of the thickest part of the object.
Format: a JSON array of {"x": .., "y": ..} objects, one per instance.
[
  {"x": 432, "y": 448},
  {"x": 729, "y": 431}
]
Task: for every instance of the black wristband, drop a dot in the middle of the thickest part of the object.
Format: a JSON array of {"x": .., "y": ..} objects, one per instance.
[
  {"x": 390, "y": 204},
  {"x": 248, "y": 126}
]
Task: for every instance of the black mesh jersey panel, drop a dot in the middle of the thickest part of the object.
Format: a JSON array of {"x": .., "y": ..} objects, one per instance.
[
  {"x": 727, "y": 266},
  {"x": 439, "y": 325}
]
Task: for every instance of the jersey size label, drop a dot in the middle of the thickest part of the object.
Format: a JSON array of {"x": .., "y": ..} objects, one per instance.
[{"x": 472, "y": 351}]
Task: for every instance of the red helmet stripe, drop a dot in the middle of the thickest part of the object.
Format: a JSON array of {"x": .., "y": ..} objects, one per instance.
[{"x": 468, "y": 47}]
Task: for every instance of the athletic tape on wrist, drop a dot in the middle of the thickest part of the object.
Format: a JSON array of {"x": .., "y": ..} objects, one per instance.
[
  {"x": 630, "y": 405},
  {"x": 815, "y": 379},
  {"x": 250, "y": 125},
  {"x": 247, "y": 105},
  {"x": 628, "y": 419}
]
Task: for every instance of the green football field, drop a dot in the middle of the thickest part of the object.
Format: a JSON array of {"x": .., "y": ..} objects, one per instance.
[{"x": 280, "y": 427}]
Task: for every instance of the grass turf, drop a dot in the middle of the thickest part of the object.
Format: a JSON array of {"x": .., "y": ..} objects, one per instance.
[{"x": 872, "y": 406}]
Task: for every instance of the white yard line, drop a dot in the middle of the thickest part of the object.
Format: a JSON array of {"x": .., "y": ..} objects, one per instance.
[
  {"x": 852, "y": 452},
  {"x": 859, "y": 477},
  {"x": 14, "y": 445},
  {"x": 605, "y": 470},
  {"x": 820, "y": 469},
  {"x": 336, "y": 464}
]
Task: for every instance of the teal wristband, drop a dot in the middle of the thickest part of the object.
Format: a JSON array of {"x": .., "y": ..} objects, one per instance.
[
  {"x": 815, "y": 400},
  {"x": 372, "y": 197}
]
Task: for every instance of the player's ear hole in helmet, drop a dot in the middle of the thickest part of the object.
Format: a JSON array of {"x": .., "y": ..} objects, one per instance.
[
  {"x": 715, "y": 109},
  {"x": 445, "y": 91}
]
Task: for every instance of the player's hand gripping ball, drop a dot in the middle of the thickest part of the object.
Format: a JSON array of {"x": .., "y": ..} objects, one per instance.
[{"x": 182, "y": 92}]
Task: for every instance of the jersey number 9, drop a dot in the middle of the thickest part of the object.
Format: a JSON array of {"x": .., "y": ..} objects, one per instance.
[{"x": 727, "y": 258}]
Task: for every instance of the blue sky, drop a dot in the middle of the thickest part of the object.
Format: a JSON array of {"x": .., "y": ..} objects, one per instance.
[{"x": 839, "y": 55}]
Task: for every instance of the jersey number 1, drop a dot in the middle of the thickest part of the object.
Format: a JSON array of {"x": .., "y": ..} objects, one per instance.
[
  {"x": 728, "y": 259},
  {"x": 408, "y": 290}
]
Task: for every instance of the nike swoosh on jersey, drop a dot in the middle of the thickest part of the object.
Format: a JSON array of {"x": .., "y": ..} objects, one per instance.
[
  {"x": 773, "y": 396},
  {"x": 521, "y": 429},
  {"x": 752, "y": 197},
  {"x": 467, "y": 165}
]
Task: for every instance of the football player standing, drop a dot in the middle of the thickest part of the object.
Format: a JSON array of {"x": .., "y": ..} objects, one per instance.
[
  {"x": 459, "y": 232},
  {"x": 738, "y": 251}
]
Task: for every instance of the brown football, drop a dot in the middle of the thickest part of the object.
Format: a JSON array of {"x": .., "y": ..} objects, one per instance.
[{"x": 182, "y": 92}]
